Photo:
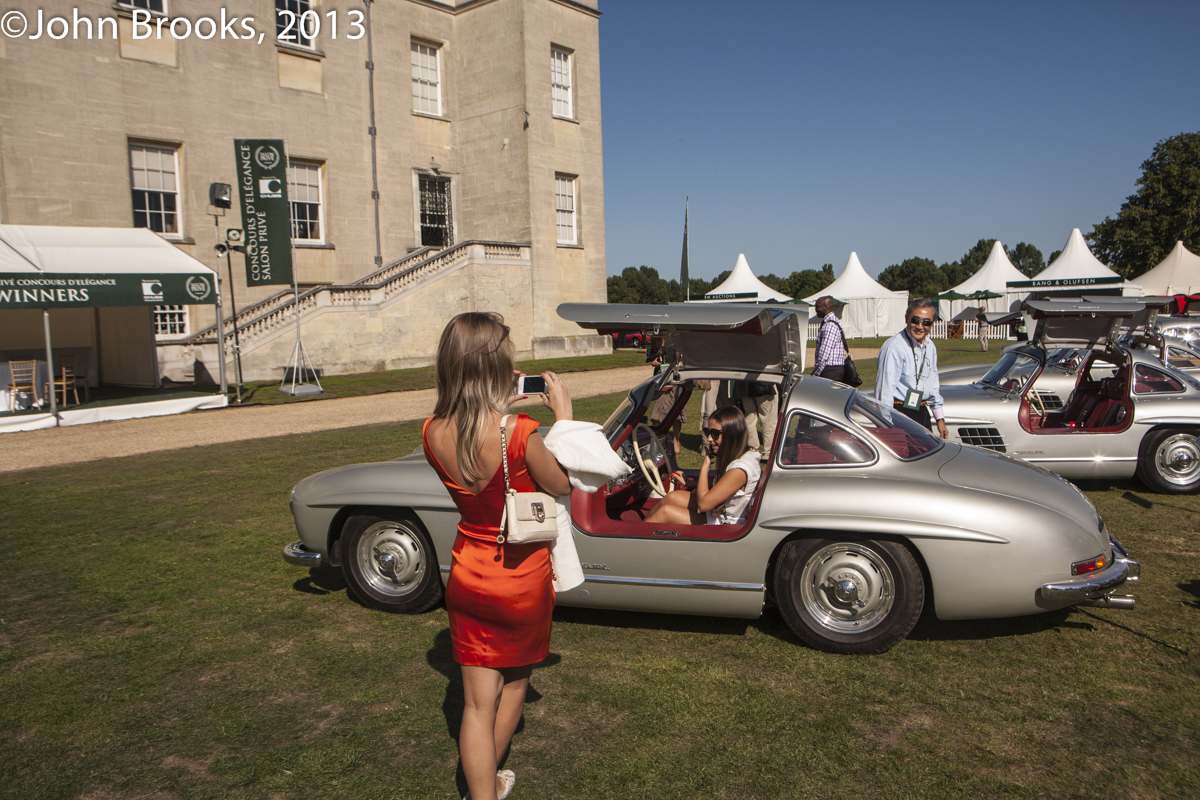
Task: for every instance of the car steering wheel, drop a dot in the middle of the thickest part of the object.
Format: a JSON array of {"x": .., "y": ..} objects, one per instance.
[
  {"x": 647, "y": 459},
  {"x": 1036, "y": 404}
]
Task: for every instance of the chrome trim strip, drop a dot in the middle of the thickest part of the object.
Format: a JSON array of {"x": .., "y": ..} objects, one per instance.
[
  {"x": 743, "y": 587},
  {"x": 298, "y": 555},
  {"x": 1092, "y": 460}
]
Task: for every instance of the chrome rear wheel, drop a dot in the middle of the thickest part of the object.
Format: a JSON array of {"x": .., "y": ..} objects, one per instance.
[
  {"x": 849, "y": 595},
  {"x": 1170, "y": 461}
]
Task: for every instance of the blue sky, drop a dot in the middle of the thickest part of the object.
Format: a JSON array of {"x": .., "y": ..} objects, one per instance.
[{"x": 803, "y": 131}]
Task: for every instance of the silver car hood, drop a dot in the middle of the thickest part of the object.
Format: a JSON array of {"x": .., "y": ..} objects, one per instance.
[{"x": 988, "y": 471}]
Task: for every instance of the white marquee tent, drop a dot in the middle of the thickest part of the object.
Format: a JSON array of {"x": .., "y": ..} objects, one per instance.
[
  {"x": 91, "y": 292},
  {"x": 870, "y": 310},
  {"x": 741, "y": 285},
  {"x": 1179, "y": 273},
  {"x": 1076, "y": 270},
  {"x": 992, "y": 277},
  {"x": 1075, "y": 262}
]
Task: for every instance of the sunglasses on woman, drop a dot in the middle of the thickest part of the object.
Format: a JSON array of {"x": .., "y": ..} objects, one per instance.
[
  {"x": 711, "y": 432},
  {"x": 926, "y": 323}
]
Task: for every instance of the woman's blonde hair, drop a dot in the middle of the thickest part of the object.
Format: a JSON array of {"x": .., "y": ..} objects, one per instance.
[{"x": 474, "y": 372}]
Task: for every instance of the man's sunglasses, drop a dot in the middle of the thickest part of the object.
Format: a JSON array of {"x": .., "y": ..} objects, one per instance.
[
  {"x": 927, "y": 323},
  {"x": 713, "y": 432}
]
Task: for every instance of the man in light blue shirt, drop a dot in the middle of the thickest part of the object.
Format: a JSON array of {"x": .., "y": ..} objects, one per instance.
[{"x": 908, "y": 372}]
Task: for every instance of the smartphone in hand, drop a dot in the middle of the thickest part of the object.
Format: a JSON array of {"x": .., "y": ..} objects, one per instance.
[{"x": 531, "y": 384}]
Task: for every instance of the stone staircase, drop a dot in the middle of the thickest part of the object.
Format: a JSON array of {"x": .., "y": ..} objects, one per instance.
[{"x": 267, "y": 320}]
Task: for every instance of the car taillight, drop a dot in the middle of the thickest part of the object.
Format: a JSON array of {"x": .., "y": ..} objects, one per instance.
[{"x": 1091, "y": 565}]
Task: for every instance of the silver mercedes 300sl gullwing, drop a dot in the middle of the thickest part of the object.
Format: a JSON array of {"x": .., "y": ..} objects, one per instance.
[
  {"x": 1123, "y": 410},
  {"x": 1060, "y": 372},
  {"x": 861, "y": 517}
]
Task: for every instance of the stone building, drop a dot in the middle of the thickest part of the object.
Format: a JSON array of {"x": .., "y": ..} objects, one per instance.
[{"x": 444, "y": 155}]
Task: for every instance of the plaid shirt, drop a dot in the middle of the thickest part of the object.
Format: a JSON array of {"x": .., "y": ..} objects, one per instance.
[{"x": 831, "y": 352}]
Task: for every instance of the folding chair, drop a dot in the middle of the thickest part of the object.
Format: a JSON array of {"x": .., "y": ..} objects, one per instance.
[
  {"x": 65, "y": 380},
  {"x": 21, "y": 382}
]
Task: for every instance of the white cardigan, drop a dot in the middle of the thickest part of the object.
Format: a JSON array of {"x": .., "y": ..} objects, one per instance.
[{"x": 590, "y": 463}]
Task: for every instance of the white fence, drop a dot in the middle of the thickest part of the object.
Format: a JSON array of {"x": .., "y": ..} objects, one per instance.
[{"x": 970, "y": 330}]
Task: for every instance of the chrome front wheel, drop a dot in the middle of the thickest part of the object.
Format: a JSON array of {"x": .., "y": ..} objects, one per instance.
[{"x": 390, "y": 564}]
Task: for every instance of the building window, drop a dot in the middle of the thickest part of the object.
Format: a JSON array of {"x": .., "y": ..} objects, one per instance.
[
  {"x": 155, "y": 188},
  {"x": 427, "y": 91},
  {"x": 170, "y": 321},
  {"x": 560, "y": 82},
  {"x": 564, "y": 204},
  {"x": 437, "y": 224},
  {"x": 304, "y": 193},
  {"x": 291, "y": 24},
  {"x": 155, "y": 6}
]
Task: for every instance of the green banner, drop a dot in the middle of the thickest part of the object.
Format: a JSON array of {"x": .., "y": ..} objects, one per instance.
[
  {"x": 266, "y": 212},
  {"x": 91, "y": 290}
]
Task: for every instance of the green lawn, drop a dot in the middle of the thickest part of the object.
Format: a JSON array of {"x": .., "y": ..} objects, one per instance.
[
  {"x": 407, "y": 380},
  {"x": 153, "y": 644}
]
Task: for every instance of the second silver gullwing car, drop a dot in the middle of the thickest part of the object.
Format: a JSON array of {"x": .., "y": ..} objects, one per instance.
[
  {"x": 861, "y": 519},
  {"x": 1060, "y": 373},
  {"x": 1123, "y": 411}
]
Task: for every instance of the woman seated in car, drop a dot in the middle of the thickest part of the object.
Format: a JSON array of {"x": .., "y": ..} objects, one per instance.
[{"x": 728, "y": 501}]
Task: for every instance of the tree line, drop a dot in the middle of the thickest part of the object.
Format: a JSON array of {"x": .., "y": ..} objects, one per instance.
[
  {"x": 1164, "y": 209},
  {"x": 644, "y": 285}
]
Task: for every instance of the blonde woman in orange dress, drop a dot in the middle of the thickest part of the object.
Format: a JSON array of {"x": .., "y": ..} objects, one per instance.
[{"x": 499, "y": 596}]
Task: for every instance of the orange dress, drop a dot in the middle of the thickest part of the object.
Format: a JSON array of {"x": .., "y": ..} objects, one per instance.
[{"x": 499, "y": 596}]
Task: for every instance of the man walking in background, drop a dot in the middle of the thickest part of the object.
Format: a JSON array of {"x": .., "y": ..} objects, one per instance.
[
  {"x": 908, "y": 371},
  {"x": 831, "y": 343}
]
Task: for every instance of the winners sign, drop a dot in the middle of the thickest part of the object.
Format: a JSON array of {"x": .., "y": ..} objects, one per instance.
[{"x": 266, "y": 212}]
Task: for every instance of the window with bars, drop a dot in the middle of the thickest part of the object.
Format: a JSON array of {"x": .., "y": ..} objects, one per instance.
[
  {"x": 564, "y": 205},
  {"x": 560, "y": 82},
  {"x": 304, "y": 193},
  {"x": 156, "y": 6},
  {"x": 153, "y": 172},
  {"x": 170, "y": 321},
  {"x": 290, "y": 22},
  {"x": 437, "y": 224},
  {"x": 426, "y": 84}
]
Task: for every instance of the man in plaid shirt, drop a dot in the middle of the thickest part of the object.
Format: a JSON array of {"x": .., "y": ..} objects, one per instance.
[{"x": 831, "y": 347}]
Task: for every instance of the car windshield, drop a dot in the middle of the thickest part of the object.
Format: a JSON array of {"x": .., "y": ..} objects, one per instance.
[
  {"x": 637, "y": 397},
  {"x": 894, "y": 430},
  {"x": 1011, "y": 372},
  {"x": 1065, "y": 358}
]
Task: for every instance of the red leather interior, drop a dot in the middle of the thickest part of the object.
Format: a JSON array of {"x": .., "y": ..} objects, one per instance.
[{"x": 620, "y": 514}]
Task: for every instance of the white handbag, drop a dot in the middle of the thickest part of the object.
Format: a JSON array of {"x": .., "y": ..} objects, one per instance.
[{"x": 528, "y": 516}]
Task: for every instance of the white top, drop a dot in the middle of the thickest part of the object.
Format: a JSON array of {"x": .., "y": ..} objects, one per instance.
[{"x": 735, "y": 509}]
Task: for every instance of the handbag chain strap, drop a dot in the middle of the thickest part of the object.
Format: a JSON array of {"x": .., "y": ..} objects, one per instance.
[{"x": 504, "y": 450}]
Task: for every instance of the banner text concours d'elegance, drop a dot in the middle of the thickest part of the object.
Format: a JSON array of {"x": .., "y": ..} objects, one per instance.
[
  {"x": 96, "y": 290},
  {"x": 266, "y": 212}
]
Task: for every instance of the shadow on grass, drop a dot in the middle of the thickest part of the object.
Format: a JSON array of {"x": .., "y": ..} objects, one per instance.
[
  {"x": 638, "y": 620},
  {"x": 928, "y": 629},
  {"x": 1193, "y": 588},
  {"x": 322, "y": 580},
  {"x": 931, "y": 629}
]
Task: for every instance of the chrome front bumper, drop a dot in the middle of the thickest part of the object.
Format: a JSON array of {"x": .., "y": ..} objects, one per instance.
[
  {"x": 298, "y": 555},
  {"x": 1096, "y": 585}
]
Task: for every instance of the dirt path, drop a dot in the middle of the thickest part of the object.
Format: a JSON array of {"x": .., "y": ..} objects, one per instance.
[
  {"x": 74, "y": 444},
  {"x": 54, "y": 446}
]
